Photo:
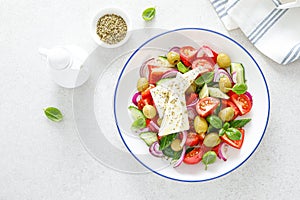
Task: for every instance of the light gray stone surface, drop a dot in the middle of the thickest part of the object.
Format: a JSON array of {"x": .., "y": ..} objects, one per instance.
[{"x": 40, "y": 159}]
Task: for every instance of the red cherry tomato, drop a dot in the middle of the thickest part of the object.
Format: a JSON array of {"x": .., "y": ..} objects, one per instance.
[
  {"x": 187, "y": 55},
  {"x": 191, "y": 98},
  {"x": 193, "y": 157},
  {"x": 234, "y": 143},
  {"x": 205, "y": 62},
  {"x": 193, "y": 139},
  {"x": 206, "y": 106},
  {"x": 243, "y": 102}
]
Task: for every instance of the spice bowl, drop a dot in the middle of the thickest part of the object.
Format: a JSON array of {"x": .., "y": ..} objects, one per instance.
[{"x": 110, "y": 27}]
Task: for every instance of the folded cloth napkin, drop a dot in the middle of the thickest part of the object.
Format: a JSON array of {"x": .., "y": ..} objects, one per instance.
[{"x": 275, "y": 32}]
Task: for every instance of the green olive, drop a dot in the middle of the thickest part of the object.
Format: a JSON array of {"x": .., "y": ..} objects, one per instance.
[
  {"x": 173, "y": 57},
  {"x": 149, "y": 111},
  {"x": 225, "y": 84},
  {"x": 200, "y": 124},
  {"x": 159, "y": 121},
  {"x": 142, "y": 84},
  {"x": 211, "y": 140},
  {"x": 226, "y": 114},
  {"x": 175, "y": 145},
  {"x": 223, "y": 60}
]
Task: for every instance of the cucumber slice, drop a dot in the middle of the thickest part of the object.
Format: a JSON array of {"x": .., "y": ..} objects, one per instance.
[
  {"x": 237, "y": 72},
  {"x": 204, "y": 92},
  {"x": 138, "y": 124},
  {"x": 136, "y": 113},
  {"x": 163, "y": 80},
  {"x": 216, "y": 92},
  {"x": 148, "y": 137}
]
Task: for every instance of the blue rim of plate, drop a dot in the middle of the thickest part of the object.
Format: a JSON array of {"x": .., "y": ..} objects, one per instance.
[{"x": 198, "y": 29}]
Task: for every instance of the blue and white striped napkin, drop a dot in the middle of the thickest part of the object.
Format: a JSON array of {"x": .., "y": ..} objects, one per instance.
[{"x": 275, "y": 32}]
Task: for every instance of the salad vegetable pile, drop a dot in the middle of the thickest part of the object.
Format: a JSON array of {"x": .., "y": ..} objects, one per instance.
[{"x": 190, "y": 105}]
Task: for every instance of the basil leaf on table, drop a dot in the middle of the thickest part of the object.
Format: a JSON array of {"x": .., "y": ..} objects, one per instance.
[
  {"x": 233, "y": 134},
  {"x": 240, "y": 88},
  {"x": 53, "y": 114},
  {"x": 149, "y": 14},
  {"x": 215, "y": 121},
  {"x": 166, "y": 141},
  {"x": 209, "y": 158},
  {"x": 239, "y": 123}
]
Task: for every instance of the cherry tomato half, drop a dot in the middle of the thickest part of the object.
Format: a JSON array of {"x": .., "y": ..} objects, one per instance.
[
  {"x": 205, "y": 62},
  {"x": 243, "y": 102},
  {"x": 193, "y": 157},
  {"x": 187, "y": 55},
  {"x": 191, "y": 98},
  {"x": 206, "y": 106},
  {"x": 234, "y": 143},
  {"x": 192, "y": 139}
]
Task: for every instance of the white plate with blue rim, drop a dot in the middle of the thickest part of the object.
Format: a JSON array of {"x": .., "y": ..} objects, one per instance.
[{"x": 159, "y": 45}]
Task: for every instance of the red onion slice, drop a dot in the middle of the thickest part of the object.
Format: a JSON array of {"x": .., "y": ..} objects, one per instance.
[
  {"x": 154, "y": 150},
  {"x": 135, "y": 98},
  {"x": 221, "y": 73},
  {"x": 192, "y": 113},
  {"x": 144, "y": 72},
  {"x": 193, "y": 103},
  {"x": 205, "y": 51},
  {"x": 179, "y": 161},
  {"x": 249, "y": 95},
  {"x": 170, "y": 74},
  {"x": 153, "y": 126},
  {"x": 175, "y": 49},
  {"x": 138, "y": 131},
  {"x": 184, "y": 137},
  {"x": 222, "y": 151}
]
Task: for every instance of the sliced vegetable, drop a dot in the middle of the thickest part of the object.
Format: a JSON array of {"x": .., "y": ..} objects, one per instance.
[
  {"x": 187, "y": 55},
  {"x": 243, "y": 103},
  {"x": 216, "y": 92},
  {"x": 154, "y": 149},
  {"x": 179, "y": 161},
  {"x": 170, "y": 74},
  {"x": 138, "y": 124},
  {"x": 175, "y": 49},
  {"x": 204, "y": 92},
  {"x": 234, "y": 143},
  {"x": 206, "y": 106},
  {"x": 136, "y": 113},
  {"x": 193, "y": 157},
  {"x": 144, "y": 71},
  {"x": 148, "y": 137},
  {"x": 135, "y": 98},
  {"x": 193, "y": 139},
  {"x": 238, "y": 72}
]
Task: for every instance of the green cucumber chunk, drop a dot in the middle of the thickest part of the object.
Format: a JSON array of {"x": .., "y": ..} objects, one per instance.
[
  {"x": 237, "y": 72},
  {"x": 216, "y": 92},
  {"x": 136, "y": 113},
  {"x": 148, "y": 137},
  {"x": 182, "y": 68}
]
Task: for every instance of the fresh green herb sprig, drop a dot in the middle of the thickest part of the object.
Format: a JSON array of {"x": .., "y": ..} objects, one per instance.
[
  {"x": 149, "y": 14},
  {"x": 240, "y": 88},
  {"x": 166, "y": 141},
  {"x": 231, "y": 129},
  {"x": 54, "y": 114}
]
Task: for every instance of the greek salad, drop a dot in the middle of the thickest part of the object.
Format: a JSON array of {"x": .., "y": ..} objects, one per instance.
[{"x": 189, "y": 105}]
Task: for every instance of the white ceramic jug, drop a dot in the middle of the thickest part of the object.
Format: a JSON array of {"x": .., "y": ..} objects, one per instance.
[{"x": 66, "y": 65}]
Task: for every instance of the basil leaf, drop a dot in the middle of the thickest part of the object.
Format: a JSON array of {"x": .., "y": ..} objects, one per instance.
[
  {"x": 222, "y": 132},
  {"x": 182, "y": 68},
  {"x": 226, "y": 126},
  {"x": 53, "y": 114},
  {"x": 240, "y": 88},
  {"x": 149, "y": 14},
  {"x": 205, "y": 78},
  {"x": 209, "y": 158},
  {"x": 233, "y": 134},
  {"x": 175, "y": 155},
  {"x": 215, "y": 121},
  {"x": 138, "y": 124},
  {"x": 166, "y": 141},
  {"x": 239, "y": 123}
]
